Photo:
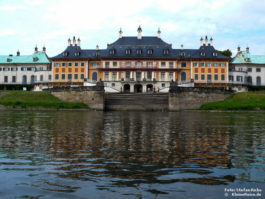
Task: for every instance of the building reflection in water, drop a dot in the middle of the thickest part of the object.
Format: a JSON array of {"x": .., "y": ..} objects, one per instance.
[{"x": 136, "y": 147}]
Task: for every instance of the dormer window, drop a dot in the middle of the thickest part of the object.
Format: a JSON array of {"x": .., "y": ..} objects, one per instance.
[
  {"x": 166, "y": 51},
  {"x": 112, "y": 52},
  {"x": 77, "y": 53},
  {"x": 139, "y": 51},
  {"x": 247, "y": 60},
  {"x": 35, "y": 59},
  {"x": 8, "y": 60},
  {"x": 65, "y": 54},
  {"x": 128, "y": 51},
  {"x": 182, "y": 54},
  {"x": 215, "y": 54},
  {"x": 203, "y": 54},
  {"x": 149, "y": 51}
]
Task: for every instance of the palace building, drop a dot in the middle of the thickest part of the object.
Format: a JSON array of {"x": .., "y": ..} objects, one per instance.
[
  {"x": 141, "y": 64},
  {"x": 32, "y": 71}
]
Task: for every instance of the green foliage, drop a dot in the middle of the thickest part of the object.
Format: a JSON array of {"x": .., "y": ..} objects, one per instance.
[
  {"x": 227, "y": 53},
  {"x": 239, "y": 101},
  {"x": 36, "y": 99}
]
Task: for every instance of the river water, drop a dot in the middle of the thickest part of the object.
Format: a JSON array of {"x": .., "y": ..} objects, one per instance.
[{"x": 79, "y": 154}]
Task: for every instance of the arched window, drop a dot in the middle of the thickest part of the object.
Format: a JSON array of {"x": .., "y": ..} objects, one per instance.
[
  {"x": 139, "y": 51},
  {"x": 249, "y": 80},
  {"x": 128, "y": 51},
  {"x": 258, "y": 81},
  {"x": 32, "y": 78},
  {"x": 95, "y": 76},
  {"x": 24, "y": 79},
  {"x": 183, "y": 76}
]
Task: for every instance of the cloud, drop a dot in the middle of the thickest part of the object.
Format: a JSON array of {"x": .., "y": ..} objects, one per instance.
[{"x": 12, "y": 7}]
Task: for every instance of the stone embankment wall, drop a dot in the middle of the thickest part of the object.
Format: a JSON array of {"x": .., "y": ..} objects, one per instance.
[
  {"x": 185, "y": 98},
  {"x": 92, "y": 96}
]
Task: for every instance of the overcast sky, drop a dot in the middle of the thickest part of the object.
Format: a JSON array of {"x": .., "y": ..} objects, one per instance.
[{"x": 27, "y": 23}]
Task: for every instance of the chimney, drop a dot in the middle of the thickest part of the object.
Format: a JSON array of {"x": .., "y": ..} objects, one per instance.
[
  {"x": 120, "y": 33},
  {"x": 74, "y": 41},
  {"x": 201, "y": 41},
  {"x": 139, "y": 30},
  {"x": 206, "y": 40},
  {"x": 97, "y": 47},
  {"x": 182, "y": 47},
  {"x": 211, "y": 41},
  {"x": 36, "y": 49},
  {"x": 44, "y": 49},
  {"x": 78, "y": 42},
  {"x": 247, "y": 49},
  {"x": 69, "y": 42},
  {"x": 238, "y": 49},
  {"x": 18, "y": 53},
  {"x": 158, "y": 33}
]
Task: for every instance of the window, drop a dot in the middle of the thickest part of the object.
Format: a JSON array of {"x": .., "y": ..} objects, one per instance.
[
  {"x": 249, "y": 69},
  {"x": 202, "y": 54},
  {"x": 149, "y": 75},
  {"x": 163, "y": 85},
  {"x": 57, "y": 64},
  {"x": 50, "y": 77},
  {"x": 171, "y": 64},
  {"x": 196, "y": 76},
  {"x": 239, "y": 78},
  {"x": 209, "y": 64},
  {"x": 139, "y": 51},
  {"x": 114, "y": 76},
  {"x": 195, "y": 64},
  {"x": 41, "y": 78},
  {"x": 115, "y": 64},
  {"x": 183, "y": 64},
  {"x": 165, "y": 51},
  {"x": 0, "y": 69},
  {"x": 107, "y": 64},
  {"x": 94, "y": 76},
  {"x": 202, "y": 77},
  {"x": 63, "y": 64},
  {"x": 127, "y": 75},
  {"x": 183, "y": 76},
  {"x": 231, "y": 78},
  {"x": 149, "y": 63},
  {"x": 123, "y": 63},
  {"x": 170, "y": 76},
  {"x": 222, "y": 64},
  {"x": 258, "y": 70},
  {"x": 76, "y": 76},
  {"x": 223, "y": 77},
  {"x": 56, "y": 76},
  {"x": 6, "y": 79},
  {"x": 149, "y": 51},
  {"x": 128, "y": 51},
  {"x": 215, "y": 64},
  {"x": 258, "y": 81},
  {"x": 163, "y": 76},
  {"x": 128, "y": 63},
  {"x": 14, "y": 79},
  {"x": 63, "y": 76},
  {"x": 82, "y": 76},
  {"x": 209, "y": 78},
  {"x": 216, "y": 77},
  {"x": 112, "y": 52},
  {"x": 138, "y": 63},
  {"x": 163, "y": 64},
  {"x": 106, "y": 77},
  {"x": 113, "y": 84},
  {"x": 70, "y": 77},
  {"x": 82, "y": 64},
  {"x": 94, "y": 64},
  {"x": 76, "y": 63},
  {"x": 138, "y": 76},
  {"x": 69, "y": 64},
  {"x": 202, "y": 64}
]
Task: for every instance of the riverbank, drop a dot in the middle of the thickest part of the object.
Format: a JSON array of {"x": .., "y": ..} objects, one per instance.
[
  {"x": 36, "y": 100},
  {"x": 239, "y": 101}
]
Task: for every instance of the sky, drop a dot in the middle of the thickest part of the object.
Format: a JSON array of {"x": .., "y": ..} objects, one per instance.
[{"x": 231, "y": 23}]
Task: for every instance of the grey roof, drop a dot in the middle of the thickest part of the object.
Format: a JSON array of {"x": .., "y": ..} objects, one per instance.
[{"x": 129, "y": 47}]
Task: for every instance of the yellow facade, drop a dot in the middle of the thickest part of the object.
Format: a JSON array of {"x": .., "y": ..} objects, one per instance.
[
  {"x": 94, "y": 73},
  {"x": 69, "y": 71}
]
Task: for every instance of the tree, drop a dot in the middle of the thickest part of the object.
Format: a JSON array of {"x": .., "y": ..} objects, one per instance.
[{"x": 227, "y": 53}]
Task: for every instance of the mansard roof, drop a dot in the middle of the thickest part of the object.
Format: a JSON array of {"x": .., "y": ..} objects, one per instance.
[
  {"x": 244, "y": 57},
  {"x": 149, "y": 47},
  {"x": 38, "y": 57},
  {"x": 134, "y": 41}
]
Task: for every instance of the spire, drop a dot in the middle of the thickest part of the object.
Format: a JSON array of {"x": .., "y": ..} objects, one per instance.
[
  {"x": 78, "y": 42},
  {"x": 120, "y": 33},
  {"x": 201, "y": 41},
  {"x": 139, "y": 30},
  {"x": 211, "y": 41},
  {"x": 74, "y": 41},
  {"x": 69, "y": 42},
  {"x": 206, "y": 40},
  {"x": 158, "y": 32}
]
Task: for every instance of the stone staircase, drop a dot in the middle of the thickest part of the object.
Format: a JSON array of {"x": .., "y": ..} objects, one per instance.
[{"x": 137, "y": 102}]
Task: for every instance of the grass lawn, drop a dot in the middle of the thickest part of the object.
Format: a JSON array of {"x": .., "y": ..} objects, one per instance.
[
  {"x": 36, "y": 99},
  {"x": 239, "y": 101}
]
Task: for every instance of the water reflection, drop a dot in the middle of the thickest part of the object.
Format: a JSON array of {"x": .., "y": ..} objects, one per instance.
[{"x": 132, "y": 154}]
